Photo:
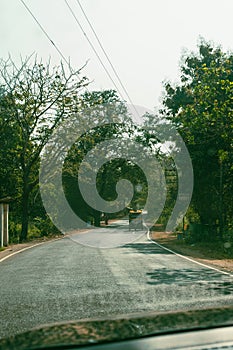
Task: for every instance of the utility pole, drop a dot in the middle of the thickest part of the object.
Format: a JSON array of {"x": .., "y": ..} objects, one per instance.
[{"x": 4, "y": 211}]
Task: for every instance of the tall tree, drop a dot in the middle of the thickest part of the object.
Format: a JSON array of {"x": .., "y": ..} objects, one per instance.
[
  {"x": 120, "y": 158},
  {"x": 98, "y": 103},
  {"x": 200, "y": 106},
  {"x": 37, "y": 99}
]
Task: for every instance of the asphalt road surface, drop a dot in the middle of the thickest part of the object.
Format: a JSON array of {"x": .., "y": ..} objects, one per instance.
[{"x": 65, "y": 280}]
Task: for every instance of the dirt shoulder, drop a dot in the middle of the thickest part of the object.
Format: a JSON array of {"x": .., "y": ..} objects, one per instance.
[{"x": 209, "y": 254}]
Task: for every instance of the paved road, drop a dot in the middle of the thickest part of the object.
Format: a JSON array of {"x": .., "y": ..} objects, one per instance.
[{"x": 63, "y": 280}]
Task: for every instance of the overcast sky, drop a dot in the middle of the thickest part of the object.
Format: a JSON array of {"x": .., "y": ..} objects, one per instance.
[{"x": 144, "y": 39}]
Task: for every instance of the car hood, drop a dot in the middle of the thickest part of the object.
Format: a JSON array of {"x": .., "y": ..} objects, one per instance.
[{"x": 119, "y": 328}]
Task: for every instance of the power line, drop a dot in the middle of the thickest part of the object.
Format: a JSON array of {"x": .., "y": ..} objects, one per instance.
[
  {"x": 53, "y": 43},
  {"x": 93, "y": 48},
  {"x": 65, "y": 59},
  {"x": 105, "y": 53},
  {"x": 45, "y": 33}
]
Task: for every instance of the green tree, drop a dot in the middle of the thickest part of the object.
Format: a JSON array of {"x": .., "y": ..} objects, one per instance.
[
  {"x": 9, "y": 182},
  {"x": 37, "y": 98},
  {"x": 116, "y": 167},
  {"x": 200, "y": 107},
  {"x": 99, "y": 103}
]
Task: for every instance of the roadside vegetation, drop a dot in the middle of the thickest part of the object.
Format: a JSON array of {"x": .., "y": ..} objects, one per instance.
[
  {"x": 208, "y": 250},
  {"x": 200, "y": 106}
]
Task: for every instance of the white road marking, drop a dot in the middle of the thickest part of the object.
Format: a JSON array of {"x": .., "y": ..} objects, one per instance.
[
  {"x": 185, "y": 257},
  {"x": 26, "y": 248}
]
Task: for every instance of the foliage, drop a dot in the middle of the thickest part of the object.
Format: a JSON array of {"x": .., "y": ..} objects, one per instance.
[
  {"x": 200, "y": 107},
  {"x": 119, "y": 122},
  {"x": 36, "y": 99},
  {"x": 116, "y": 168}
]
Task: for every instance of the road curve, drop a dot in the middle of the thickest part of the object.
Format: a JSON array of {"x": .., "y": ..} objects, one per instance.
[{"x": 65, "y": 280}]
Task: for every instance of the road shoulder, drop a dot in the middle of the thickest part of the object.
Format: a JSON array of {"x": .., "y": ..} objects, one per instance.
[
  {"x": 194, "y": 252},
  {"x": 13, "y": 249}
]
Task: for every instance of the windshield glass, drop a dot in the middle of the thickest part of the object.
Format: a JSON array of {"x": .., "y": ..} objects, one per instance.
[{"x": 116, "y": 156}]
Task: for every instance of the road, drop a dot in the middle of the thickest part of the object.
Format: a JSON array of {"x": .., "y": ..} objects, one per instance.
[{"x": 64, "y": 280}]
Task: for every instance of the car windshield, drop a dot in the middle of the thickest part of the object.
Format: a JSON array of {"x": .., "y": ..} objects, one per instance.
[{"x": 116, "y": 156}]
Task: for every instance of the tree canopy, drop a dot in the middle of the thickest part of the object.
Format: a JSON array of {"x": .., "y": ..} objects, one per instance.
[
  {"x": 35, "y": 99},
  {"x": 200, "y": 107}
]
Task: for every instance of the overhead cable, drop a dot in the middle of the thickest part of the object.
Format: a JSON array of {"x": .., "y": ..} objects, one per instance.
[
  {"x": 45, "y": 33},
  {"x": 51, "y": 41},
  {"x": 105, "y": 53},
  {"x": 93, "y": 48}
]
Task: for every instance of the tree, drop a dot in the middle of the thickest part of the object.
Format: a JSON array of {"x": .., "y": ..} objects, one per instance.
[
  {"x": 98, "y": 103},
  {"x": 120, "y": 160},
  {"x": 9, "y": 182},
  {"x": 200, "y": 107},
  {"x": 37, "y": 99}
]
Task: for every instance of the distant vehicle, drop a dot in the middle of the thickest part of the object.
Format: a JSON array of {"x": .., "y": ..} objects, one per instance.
[{"x": 135, "y": 220}]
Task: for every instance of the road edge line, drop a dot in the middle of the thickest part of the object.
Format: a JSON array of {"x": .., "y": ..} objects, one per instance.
[
  {"x": 26, "y": 248},
  {"x": 34, "y": 245},
  {"x": 187, "y": 258}
]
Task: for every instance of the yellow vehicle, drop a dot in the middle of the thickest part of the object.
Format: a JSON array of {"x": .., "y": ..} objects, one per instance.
[{"x": 135, "y": 220}]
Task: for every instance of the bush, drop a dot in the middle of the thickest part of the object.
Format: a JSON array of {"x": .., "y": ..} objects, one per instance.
[
  {"x": 45, "y": 226},
  {"x": 201, "y": 233},
  {"x": 39, "y": 227},
  {"x": 14, "y": 232},
  {"x": 33, "y": 231}
]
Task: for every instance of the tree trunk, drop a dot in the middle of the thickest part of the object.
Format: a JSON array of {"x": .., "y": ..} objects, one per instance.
[
  {"x": 221, "y": 224},
  {"x": 97, "y": 219},
  {"x": 24, "y": 214}
]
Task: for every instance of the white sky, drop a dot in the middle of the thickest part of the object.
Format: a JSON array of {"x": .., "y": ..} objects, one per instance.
[{"x": 144, "y": 39}]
